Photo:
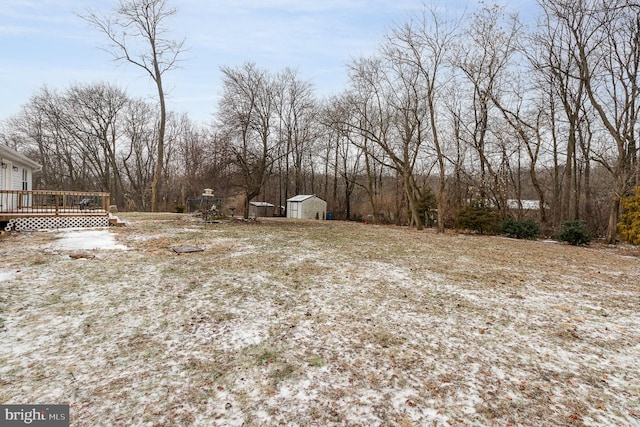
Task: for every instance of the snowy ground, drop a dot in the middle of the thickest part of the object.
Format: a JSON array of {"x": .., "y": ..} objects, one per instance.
[{"x": 317, "y": 323}]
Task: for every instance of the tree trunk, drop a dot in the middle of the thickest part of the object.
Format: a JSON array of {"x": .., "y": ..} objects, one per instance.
[
  {"x": 157, "y": 174},
  {"x": 613, "y": 220},
  {"x": 411, "y": 199},
  {"x": 370, "y": 184}
]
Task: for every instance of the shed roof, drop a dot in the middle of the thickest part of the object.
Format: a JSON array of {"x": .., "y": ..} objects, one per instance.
[
  {"x": 262, "y": 204},
  {"x": 301, "y": 197}
]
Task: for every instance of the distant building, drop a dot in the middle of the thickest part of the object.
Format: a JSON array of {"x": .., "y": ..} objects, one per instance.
[
  {"x": 306, "y": 206},
  {"x": 261, "y": 209},
  {"x": 530, "y": 205}
]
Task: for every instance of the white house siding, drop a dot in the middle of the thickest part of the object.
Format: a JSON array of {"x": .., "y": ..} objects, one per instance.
[
  {"x": 16, "y": 178},
  {"x": 5, "y": 182},
  {"x": 4, "y": 177},
  {"x": 13, "y": 166}
]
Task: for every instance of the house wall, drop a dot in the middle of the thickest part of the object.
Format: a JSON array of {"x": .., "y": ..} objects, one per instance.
[
  {"x": 16, "y": 178},
  {"x": 5, "y": 176},
  {"x": 5, "y": 182},
  {"x": 12, "y": 177}
]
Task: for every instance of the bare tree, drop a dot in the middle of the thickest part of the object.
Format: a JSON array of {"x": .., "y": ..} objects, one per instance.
[
  {"x": 349, "y": 150},
  {"x": 40, "y": 126},
  {"x": 605, "y": 36},
  {"x": 76, "y": 136},
  {"x": 94, "y": 111},
  {"x": 191, "y": 160},
  {"x": 484, "y": 61},
  {"x": 297, "y": 111},
  {"x": 529, "y": 130},
  {"x": 137, "y": 34},
  {"x": 137, "y": 156},
  {"x": 551, "y": 54},
  {"x": 246, "y": 111},
  {"x": 424, "y": 44}
]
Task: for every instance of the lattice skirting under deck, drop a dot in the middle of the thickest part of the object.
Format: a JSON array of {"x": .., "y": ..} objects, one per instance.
[{"x": 31, "y": 224}]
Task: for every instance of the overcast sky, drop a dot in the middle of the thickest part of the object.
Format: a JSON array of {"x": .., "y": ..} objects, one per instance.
[{"x": 45, "y": 43}]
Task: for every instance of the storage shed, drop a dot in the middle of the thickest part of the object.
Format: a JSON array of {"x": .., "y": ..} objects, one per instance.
[
  {"x": 260, "y": 209},
  {"x": 306, "y": 206}
]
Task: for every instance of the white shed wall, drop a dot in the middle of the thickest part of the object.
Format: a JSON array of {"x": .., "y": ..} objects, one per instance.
[
  {"x": 294, "y": 209},
  {"x": 313, "y": 206}
]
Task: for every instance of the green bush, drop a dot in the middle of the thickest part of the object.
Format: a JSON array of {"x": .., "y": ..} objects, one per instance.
[
  {"x": 477, "y": 217},
  {"x": 527, "y": 229},
  {"x": 629, "y": 225},
  {"x": 575, "y": 233}
]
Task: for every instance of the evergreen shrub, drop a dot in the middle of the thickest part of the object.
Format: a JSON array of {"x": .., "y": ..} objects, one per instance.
[
  {"x": 575, "y": 233},
  {"x": 478, "y": 217},
  {"x": 527, "y": 229}
]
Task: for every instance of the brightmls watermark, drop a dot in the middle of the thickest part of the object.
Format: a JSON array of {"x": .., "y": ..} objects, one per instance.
[{"x": 34, "y": 415}]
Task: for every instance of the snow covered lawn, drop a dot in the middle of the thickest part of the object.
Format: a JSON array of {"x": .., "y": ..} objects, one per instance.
[{"x": 317, "y": 323}]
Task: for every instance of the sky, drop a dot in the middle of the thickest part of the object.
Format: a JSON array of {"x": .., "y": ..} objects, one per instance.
[{"x": 45, "y": 43}]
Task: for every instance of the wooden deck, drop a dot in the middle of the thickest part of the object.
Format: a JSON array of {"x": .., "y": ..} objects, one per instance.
[{"x": 15, "y": 204}]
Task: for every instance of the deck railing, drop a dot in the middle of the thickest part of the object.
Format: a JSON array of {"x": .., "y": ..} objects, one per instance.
[{"x": 29, "y": 203}]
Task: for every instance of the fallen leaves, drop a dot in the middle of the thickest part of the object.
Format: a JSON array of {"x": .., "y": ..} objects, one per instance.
[
  {"x": 576, "y": 417},
  {"x": 82, "y": 256}
]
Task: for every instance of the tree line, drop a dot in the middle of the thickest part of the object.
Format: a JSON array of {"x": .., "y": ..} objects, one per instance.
[{"x": 450, "y": 110}]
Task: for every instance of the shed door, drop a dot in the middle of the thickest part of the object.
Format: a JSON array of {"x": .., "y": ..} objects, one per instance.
[{"x": 294, "y": 210}]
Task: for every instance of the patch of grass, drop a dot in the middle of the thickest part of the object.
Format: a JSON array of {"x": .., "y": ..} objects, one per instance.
[
  {"x": 267, "y": 356},
  {"x": 205, "y": 367},
  {"x": 316, "y": 361},
  {"x": 281, "y": 372},
  {"x": 385, "y": 338}
]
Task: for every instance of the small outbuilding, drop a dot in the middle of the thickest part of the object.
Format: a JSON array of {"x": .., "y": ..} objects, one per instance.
[
  {"x": 306, "y": 206},
  {"x": 260, "y": 209}
]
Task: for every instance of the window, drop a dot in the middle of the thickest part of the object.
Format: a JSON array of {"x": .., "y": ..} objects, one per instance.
[{"x": 25, "y": 180}]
